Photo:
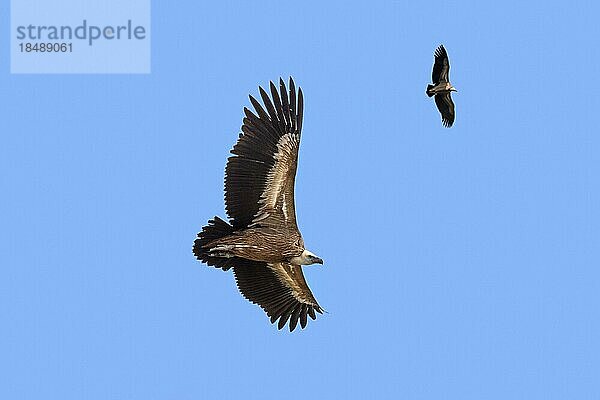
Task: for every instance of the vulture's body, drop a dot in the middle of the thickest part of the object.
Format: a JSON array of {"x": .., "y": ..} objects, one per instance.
[
  {"x": 442, "y": 88},
  {"x": 262, "y": 242}
]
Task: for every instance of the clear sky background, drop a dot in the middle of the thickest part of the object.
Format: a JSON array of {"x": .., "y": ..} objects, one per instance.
[{"x": 460, "y": 263}]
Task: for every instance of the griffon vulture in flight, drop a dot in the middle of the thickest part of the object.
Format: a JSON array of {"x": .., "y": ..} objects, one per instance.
[
  {"x": 442, "y": 88},
  {"x": 262, "y": 242}
]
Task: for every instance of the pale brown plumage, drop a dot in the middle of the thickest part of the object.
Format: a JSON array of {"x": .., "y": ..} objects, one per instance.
[{"x": 263, "y": 243}]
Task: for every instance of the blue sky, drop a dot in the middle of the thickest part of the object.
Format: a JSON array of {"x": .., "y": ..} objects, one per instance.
[{"x": 460, "y": 263}]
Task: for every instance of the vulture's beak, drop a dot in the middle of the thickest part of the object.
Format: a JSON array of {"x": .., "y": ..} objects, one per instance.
[{"x": 317, "y": 260}]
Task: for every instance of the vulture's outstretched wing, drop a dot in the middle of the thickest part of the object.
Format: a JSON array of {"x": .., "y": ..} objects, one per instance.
[
  {"x": 259, "y": 177},
  {"x": 441, "y": 66},
  {"x": 280, "y": 289},
  {"x": 445, "y": 106}
]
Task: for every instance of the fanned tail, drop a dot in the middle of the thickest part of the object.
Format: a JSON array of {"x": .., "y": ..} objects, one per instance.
[
  {"x": 429, "y": 87},
  {"x": 216, "y": 229}
]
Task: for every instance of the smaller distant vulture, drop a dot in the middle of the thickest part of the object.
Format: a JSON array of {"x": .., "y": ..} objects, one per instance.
[{"x": 442, "y": 88}]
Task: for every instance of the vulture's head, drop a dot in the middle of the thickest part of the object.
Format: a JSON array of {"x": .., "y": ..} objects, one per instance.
[{"x": 306, "y": 258}]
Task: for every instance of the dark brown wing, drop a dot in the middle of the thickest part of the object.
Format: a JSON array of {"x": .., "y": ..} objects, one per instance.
[
  {"x": 259, "y": 177},
  {"x": 445, "y": 106},
  {"x": 441, "y": 66},
  {"x": 279, "y": 289}
]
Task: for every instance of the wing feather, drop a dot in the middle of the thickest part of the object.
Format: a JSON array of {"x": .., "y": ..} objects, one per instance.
[
  {"x": 311, "y": 312},
  {"x": 285, "y": 102},
  {"x": 294, "y": 318},
  {"x": 303, "y": 316},
  {"x": 281, "y": 117},
  {"x": 300, "y": 111},
  {"x": 270, "y": 108}
]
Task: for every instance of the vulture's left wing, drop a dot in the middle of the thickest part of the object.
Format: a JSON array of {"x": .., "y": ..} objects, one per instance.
[
  {"x": 279, "y": 289},
  {"x": 446, "y": 107},
  {"x": 259, "y": 177}
]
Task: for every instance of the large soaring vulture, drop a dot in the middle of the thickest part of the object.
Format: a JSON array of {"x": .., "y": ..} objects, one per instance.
[
  {"x": 442, "y": 88},
  {"x": 262, "y": 241}
]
